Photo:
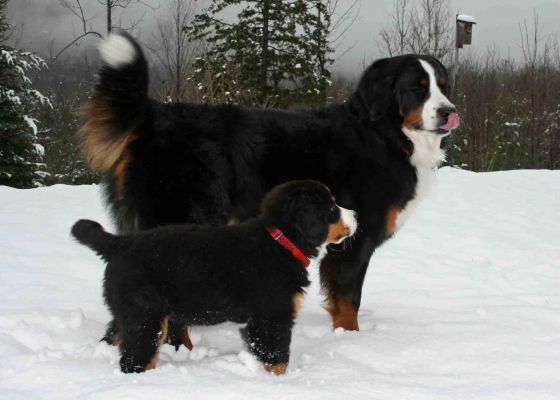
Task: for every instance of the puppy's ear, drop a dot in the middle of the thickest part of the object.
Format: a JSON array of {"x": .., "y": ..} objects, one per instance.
[
  {"x": 311, "y": 226},
  {"x": 293, "y": 207},
  {"x": 374, "y": 93}
]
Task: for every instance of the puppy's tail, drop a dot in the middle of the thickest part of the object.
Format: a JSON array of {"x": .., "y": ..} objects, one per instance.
[
  {"x": 92, "y": 234},
  {"x": 119, "y": 104}
]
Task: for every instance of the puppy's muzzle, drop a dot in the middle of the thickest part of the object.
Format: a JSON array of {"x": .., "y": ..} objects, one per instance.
[{"x": 345, "y": 227}]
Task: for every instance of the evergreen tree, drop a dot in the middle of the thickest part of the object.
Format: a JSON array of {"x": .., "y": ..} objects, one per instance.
[
  {"x": 276, "y": 50},
  {"x": 20, "y": 152}
]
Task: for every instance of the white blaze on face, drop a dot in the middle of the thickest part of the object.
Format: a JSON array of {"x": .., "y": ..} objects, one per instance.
[
  {"x": 349, "y": 220},
  {"x": 436, "y": 100},
  {"x": 427, "y": 153}
]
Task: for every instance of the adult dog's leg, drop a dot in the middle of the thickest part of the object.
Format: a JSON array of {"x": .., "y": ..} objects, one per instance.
[{"x": 342, "y": 277}]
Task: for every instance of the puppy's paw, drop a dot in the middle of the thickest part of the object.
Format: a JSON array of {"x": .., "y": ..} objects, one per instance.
[
  {"x": 129, "y": 365},
  {"x": 278, "y": 369}
]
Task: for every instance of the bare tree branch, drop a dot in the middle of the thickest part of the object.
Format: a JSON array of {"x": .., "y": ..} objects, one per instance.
[
  {"x": 78, "y": 11},
  {"x": 173, "y": 49},
  {"x": 424, "y": 27},
  {"x": 341, "y": 23},
  {"x": 77, "y": 40}
]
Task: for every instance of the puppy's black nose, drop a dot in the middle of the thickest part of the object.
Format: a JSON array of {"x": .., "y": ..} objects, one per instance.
[{"x": 445, "y": 111}]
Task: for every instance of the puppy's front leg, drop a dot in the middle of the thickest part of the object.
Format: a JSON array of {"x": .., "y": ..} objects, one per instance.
[
  {"x": 269, "y": 340},
  {"x": 140, "y": 343}
]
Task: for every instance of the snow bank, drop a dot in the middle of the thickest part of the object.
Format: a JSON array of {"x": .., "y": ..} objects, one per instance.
[{"x": 463, "y": 304}]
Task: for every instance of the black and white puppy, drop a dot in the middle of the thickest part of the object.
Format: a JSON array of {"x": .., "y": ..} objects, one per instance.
[{"x": 253, "y": 273}]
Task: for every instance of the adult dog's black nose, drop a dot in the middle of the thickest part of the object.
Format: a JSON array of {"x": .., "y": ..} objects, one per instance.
[{"x": 444, "y": 112}]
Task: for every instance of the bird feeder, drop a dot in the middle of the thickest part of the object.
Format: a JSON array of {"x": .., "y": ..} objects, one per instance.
[{"x": 464, "y": 30}]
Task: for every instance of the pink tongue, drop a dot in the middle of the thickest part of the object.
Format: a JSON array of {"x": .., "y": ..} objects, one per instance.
[{"x": 452, "y": 122}]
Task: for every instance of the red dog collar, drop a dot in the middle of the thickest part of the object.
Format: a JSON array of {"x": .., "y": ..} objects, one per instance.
[{"x": 286, "y": 243}]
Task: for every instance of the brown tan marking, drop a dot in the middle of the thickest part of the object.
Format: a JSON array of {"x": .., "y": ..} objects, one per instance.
[
  {"x": 101, "y": 145},
  {"x": 279, "y": 369},
  {"x": 391, "y": 221},
  {"x": 337, "y": 231},
  {"x": 413, "y": 119},
  {"x": 344, "y": 314},
  {"x": 298, "y": 299},
  {"x": 161, "y": 339},
  {"x": 119, "y": 172},
  {"x": 116, "y": 340},
  {"x": 186, "y": 338},
  {"x": 424, "y": 82}
]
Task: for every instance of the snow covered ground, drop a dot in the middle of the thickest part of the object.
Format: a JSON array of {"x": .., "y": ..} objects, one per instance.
[{"x": 464, "y": 303}]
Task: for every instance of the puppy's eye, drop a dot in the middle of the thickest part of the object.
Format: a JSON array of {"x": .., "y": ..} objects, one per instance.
[{"x": 334, "y": 214}]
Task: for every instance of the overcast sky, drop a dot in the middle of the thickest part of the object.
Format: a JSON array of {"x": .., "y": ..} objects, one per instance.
[
  {"x": 497, "y": 24},
  {"x": 45, "y": 23}
]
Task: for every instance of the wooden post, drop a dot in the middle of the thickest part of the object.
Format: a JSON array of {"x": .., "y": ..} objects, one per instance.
[
  {"x": 109, "y": 18},
  {"x": 463, "y": 36}
]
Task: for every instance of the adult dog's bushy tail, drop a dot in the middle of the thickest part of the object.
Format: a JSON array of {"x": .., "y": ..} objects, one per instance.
[
  {"x": 119, "y": 103},
  {"x": 92, "y": 234}
]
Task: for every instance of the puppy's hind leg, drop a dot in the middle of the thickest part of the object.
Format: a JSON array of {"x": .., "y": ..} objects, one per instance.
[
  {"x": 112, "y": 335},
  {"x": 178, "y": 335},
  {"x": 141, "y": 340}
]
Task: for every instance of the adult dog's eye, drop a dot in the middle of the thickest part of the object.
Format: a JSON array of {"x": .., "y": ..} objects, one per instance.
[{"x": 418, "y": 89}]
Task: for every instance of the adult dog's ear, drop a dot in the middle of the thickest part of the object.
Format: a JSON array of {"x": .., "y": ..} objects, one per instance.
[
  {"x": 381, "y": 93},
  {"x": 374, "y": 93}
]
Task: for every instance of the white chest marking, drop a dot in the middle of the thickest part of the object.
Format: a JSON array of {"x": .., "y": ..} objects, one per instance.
[
  {"x": 322, "y": 252},
  {"x": 426, "y": 179},
  {"x": 426, "y": 157}
]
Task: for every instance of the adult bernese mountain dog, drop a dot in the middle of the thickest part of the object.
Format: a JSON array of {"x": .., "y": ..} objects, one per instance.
[
  {"x": 212, "y": 164},
  {"x": 253, "y": 272}
]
